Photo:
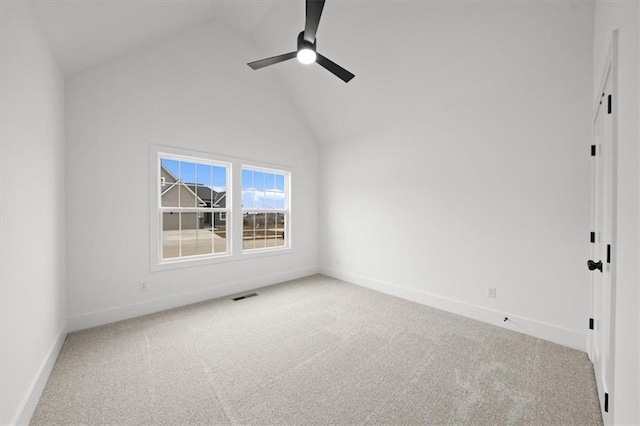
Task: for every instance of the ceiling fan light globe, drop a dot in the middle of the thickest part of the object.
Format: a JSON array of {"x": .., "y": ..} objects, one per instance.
[{"x": 306, "y": 56}]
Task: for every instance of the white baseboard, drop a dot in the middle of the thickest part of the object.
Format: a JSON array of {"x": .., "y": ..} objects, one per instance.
[
  {"x": 553, "y": 333},
  {"x": 31, "y": 398},
  {"x": 119, "y": 313}
]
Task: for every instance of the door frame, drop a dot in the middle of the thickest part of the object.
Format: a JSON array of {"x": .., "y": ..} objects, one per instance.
[{"x": 610, "y": 71}]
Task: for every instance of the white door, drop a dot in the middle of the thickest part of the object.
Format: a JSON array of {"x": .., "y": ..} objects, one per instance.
[{"x": 602, "y": 262}]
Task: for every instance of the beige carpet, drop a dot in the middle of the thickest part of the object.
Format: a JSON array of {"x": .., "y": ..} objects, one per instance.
[{"x": 311, "y": 351}]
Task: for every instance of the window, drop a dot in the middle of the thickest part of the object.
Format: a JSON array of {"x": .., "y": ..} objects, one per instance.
[
  {"x": 192, "y": 207},
  {"x": 265, "y": 208},
  {"x": 207, "y": 209}
]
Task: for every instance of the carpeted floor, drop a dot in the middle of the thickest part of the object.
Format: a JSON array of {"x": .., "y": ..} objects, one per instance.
[{"x": 315, "y": 350}]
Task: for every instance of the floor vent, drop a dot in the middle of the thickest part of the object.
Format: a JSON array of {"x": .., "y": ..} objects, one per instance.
[{"x": 235, "y": 299}]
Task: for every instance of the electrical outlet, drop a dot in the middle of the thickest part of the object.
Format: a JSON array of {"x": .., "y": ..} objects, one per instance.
[
  {"x": 491, "y": 292},
  {"x": 143, "y": 286}
]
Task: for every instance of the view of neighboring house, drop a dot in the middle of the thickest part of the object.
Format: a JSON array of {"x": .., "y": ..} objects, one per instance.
[{"x": 176, "y": 193}]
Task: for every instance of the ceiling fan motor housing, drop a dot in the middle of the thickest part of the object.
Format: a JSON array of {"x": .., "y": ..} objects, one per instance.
[
  {"x": 304, "y": 44},
  {"x": 306, "y": 51}
]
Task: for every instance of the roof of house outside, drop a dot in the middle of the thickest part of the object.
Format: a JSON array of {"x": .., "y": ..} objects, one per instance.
[{"x": 207, "y": 194}]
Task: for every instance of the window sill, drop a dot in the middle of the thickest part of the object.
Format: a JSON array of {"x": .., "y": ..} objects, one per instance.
[
  {"x": 251, "y": 254},
  {"x": 169, "y": 265}
]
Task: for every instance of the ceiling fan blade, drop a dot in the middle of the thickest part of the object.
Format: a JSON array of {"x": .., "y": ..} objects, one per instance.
[
  {"x": 314, "y": 12},
  {"x": 334, "y": 68},
  {"x": 256, "y": 65}
]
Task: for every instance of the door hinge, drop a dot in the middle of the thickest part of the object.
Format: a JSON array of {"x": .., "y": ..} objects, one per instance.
[
  {"x": 609, "y": 104},
  {"x": 593, "y": 237},
  {"x": 593, "y": 150},
  {"x": 606, "y": 402},
  {"x": 608, "y": 253},
  {"x": 590, "y": 323}
]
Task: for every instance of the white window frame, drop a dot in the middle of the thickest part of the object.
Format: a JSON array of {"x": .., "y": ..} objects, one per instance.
[
  {"x": 285, "y": 211},
  {"x": 199, "y": 210},
  {"x": 233, "y": 207}
]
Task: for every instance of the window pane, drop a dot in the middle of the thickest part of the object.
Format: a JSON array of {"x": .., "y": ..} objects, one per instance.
[
  {"x": 170, "y": 169},
  {"x": 247, "y": 199},
  {"x": 279, "y": 230},
  {"x": 278, "y": 200},
  {"x": 187, "y": 172},
  {"x": 258, "y": 199},
  {"x": 219, "y": 233},
  {"x": 247, "y": 179},
  {"x": 204, "y": 237},
  {"x": 170, "y": 235},
  {"x": 168, "y": 176},
  {"x": 269, "y": 181},
  {"x": 258, "y": 180},
  {"x": 186, "y": 176},
  {"x": 186, "y": 195},
  {"x": 279, "y": 194},
  {"x": 220, "y": 199},
  {"x": 256, "y": 231},
  {"x": 267, "y": 201},
  {"x": 261, "y": 230},
  {"x": 247, "y": 192},
  {"x": 170, "y": 197},
  {"x": 248, "y": 231},
  {"x": 189, "y": 233},
  {"x": 204, "y": 175},
  {"x": 270, "y": 228},
  {"x": 219, "y": 179},
  {"x": 202, "y": 189},
  {"x": 203, "y": 195}
]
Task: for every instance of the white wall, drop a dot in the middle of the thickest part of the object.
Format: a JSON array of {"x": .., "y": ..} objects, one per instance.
[
  {"x": 624, "y": 17},
  {"x": 483, "y": 180},
  {"x": 192, "y": 91},
  {"x": 32, "y": 223}
]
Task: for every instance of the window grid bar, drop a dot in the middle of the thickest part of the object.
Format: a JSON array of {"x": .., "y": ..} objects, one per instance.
[
  {"x": 264, "y": 210},
  {"x": 194, "y": 209},
  {"x": 213, "y": 214},
  {"x": 253, "y": 203},
  {"x": 179, "y": 188},
  {"x": 195, "y": 203},
  {"x": 264, "y": 229},
  {"x": 179, "y": 233}
]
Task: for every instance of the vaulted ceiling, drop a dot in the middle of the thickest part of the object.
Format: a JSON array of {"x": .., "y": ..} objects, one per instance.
[
  {"x": 414, "y": 61},
  {"x": 85, "y": 33}
]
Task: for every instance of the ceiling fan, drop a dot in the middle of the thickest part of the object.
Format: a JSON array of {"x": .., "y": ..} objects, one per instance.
[{"x": 306, "y": 52}]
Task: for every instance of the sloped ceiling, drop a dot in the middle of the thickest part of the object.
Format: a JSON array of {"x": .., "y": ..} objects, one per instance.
[
  {"x": 85, "y": 33},
  {"x": 412, "y": 59}
]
